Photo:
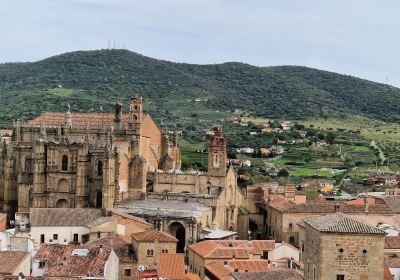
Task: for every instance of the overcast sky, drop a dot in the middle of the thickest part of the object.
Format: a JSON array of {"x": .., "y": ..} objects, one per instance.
[{"x": 356, "y": 37}]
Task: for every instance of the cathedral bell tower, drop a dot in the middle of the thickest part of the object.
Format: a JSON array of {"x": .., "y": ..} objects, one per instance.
[
  {"x": 137, "y": 163},
  {"x": 135, "y": 115},
  {"x": 217, "y": 154}
]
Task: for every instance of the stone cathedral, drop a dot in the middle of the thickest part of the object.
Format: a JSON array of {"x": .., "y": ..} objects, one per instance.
[{"x": 111, "y": 160}]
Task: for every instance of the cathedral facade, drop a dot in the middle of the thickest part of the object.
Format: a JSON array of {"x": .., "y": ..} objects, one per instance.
[{"x": 102, "y": 159}]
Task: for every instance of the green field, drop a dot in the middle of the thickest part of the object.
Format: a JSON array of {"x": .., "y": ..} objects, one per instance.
[
  {"x": 310, "y": 172},
  {"x": 369, "y": 128}
]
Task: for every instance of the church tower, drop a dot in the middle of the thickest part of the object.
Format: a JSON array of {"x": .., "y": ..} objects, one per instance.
[
  {"x": 217, "y": 154},
  {"x": 137, "y": 164},
  {"x": 135, "y": 115}
]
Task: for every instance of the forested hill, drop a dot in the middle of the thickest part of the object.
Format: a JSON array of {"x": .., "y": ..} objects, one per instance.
[{"x": 90, "y": 79}]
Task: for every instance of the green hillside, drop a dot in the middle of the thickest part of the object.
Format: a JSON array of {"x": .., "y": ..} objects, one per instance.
[{"x": 92, "y": 79}]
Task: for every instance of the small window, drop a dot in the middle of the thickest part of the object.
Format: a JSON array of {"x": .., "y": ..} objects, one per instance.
[
  {"x": 149, "y": 253},
  {"x": 98, "y": 235},
  {"x": 64, "y": 163},
  {"x": 55, "y": 236},
  {"x": 41, "y": 238},
  {"x": 341, "y": 250},
  {"x": 291, "y": 240},
  {"x": 127, "y": 272},
  {"x": 290, "y": 225},
  {"x": 99, "y": 168},
  {"x": 340, "y": 277},
  {"x": 75, "y": 237},
  {"x": 364, "y": 251},
  {"x": 42, "y": 264},
  {"x": 166, "y": 251}
]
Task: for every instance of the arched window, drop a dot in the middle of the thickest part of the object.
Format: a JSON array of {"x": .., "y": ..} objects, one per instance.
[
  {"x": 99, "y": 168},
  {"x": 64, "y": 165}
]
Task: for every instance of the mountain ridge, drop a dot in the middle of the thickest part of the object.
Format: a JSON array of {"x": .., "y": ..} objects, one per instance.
[{"x": 90, "y": 79}]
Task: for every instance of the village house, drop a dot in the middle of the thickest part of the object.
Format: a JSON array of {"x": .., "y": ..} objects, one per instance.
[
  {"x": 14, "y": 263},
  {"x": 122, "y": 247},
  {"x": 147, "y": 245},
  {"x": 206, "y": 252},
  {"x": 60, "y": 225},
  {"x": 75, "y": 261},
  {"x": 245, "y": 150},
  {"x": 282, "y": 216},
  {"x": 240, "y": 162},
  {"x": 339, "y": 247}
]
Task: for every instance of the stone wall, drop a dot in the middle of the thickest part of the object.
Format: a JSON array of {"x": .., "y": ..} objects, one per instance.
[{"x": 362, "y": 256}]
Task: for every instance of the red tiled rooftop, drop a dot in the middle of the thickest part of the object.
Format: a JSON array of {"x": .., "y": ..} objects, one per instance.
[
  {"x": 171, "y": 266},
  {"x": 223, "y": 272},
  {"x": 119, "y": 243},
  {"x": 392, "y": 242},
  {"x": 80, "y": 120},
  {"x": 152, "y": 236},
  {"x": 226, "y": 249},
  {"x": 10, "y": 260},
  {"x": 61, "y": 262}
]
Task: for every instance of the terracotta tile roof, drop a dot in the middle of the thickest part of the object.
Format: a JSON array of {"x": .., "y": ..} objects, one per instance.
[
  {"x": 387, "y": 275},
  {"x": 329, "y": 207},
  {"x": 393, "y": 201},
  {"x": 80, "y": 120},
  {"x": 171, "y": 266},
  {"x": 153, "y": 235},
  {"x": 227, "y": 249},
  {"x": 63, "y": 216},
  {"x": 340, "y": 223},
  {"x": 277, "y": 274},
  {"x": 130, "y": 217},
  {"x": 100, "y": 221},
  {"x": 10, "y": 260},
  {"x": 224, "y": 272},
  {"x": 60, "y": 262},
  {"x": 191, "y": 276},
  {"x": 392, "y": 262},
  {"x": 392, "y": 242},
  {"x": 120, "y": 244}
]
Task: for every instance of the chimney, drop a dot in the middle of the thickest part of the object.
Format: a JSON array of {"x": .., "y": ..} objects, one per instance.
[
  {"x": 64, "y": 261},
  {"x": 21, "y": 276},
  {"x": 366, "y": 204},
  {"x": 225, "y": 263},
  {"x": 101, "y": 249},
  {"x": 337, "y": 208}
]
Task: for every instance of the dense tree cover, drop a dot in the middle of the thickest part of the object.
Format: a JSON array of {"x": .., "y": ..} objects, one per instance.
[{"x": 92, "y": 79}]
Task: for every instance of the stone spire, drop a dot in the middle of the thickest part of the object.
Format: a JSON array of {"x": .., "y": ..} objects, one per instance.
[{"x": 68, "y": 118}]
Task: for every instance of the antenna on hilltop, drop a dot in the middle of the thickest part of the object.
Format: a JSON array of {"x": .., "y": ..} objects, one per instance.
[{"x": 109, "y": 42}]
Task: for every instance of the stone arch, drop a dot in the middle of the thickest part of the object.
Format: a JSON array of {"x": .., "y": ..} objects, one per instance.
[
  {"x": 150, "y": 186},
  {"x": 62, "y": 203},
  {"x": 253, "y": 227},
  {"x": 63, "y": 185},
  {"x": 178, "y": 230}
]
